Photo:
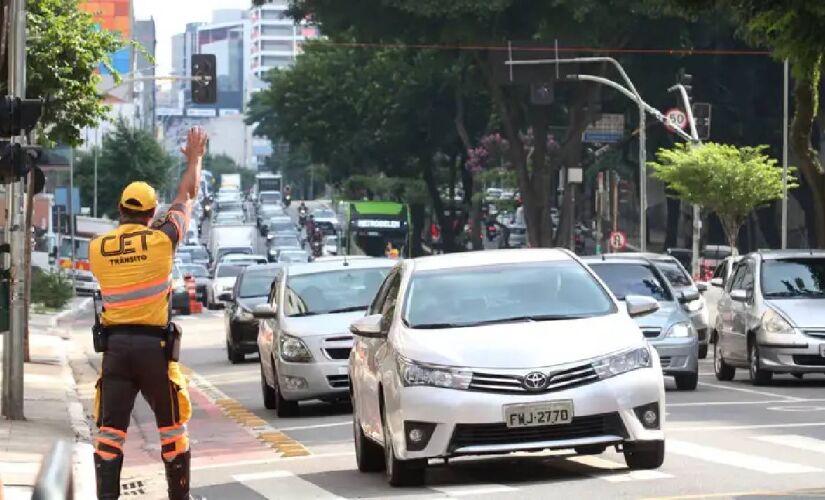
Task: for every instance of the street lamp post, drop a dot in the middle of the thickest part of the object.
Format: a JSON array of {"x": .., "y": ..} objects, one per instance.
[{"x": 786, "y": 77}]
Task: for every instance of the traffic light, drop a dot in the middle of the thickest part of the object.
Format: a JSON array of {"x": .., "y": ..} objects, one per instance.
[
  {"x": 15, "y": 162},
  {"x": 204, "y": 79},
  {"x": 542, "y": 94},
  {"x": 701, "y": 114},
  {"x": 686, "y": 80},
  {"x": 19, "y": 116}
]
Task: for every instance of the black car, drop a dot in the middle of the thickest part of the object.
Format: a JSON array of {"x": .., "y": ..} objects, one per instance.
[
  {"x": 251, "y": 288},
  {"x": 201, "y": 276}
]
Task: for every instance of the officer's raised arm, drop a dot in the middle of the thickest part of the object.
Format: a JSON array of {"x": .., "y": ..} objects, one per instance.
[{"x": 191, "y": 180}]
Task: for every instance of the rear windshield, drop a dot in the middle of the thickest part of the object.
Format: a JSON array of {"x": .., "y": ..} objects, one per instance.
[
  {"x": 675, "y": 275},
  {"x": 228, "y": 271},
  {"x": 257, "y": 283},
  {"x": 196, "y": 271}
]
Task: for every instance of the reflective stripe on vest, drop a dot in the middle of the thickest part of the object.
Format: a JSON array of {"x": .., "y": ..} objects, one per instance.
[{"x": 135, "y": 295}]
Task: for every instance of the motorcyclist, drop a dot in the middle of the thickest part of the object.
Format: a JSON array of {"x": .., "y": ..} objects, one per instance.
[
  {"x": 316, "y": 242},
  {"x": 302, "y": 208}
]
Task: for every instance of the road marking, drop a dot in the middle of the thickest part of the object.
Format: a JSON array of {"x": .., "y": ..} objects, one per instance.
[
  {"x": 736, "y": 459},
  {"x": 472, "y": 490},
  {"x": 257, "y": 476},
  {"x": 316, "y": 426},
  {"x": 322, "y": 456},
  {"x": 751, "y": 391},
  {"x": 795, "y": 441},
  {"x": 742, "y": 427},
  {"x": 735, "y": 494},
  {"x": 603, "y": 465},
  {"x": 735, "y": 403}
]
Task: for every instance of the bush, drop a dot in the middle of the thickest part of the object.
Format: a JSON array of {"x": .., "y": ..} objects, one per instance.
[{"x": 50, "y": 289}]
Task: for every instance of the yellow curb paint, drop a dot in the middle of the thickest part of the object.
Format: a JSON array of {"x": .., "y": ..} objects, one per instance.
[{"x": 295, "y": 454}]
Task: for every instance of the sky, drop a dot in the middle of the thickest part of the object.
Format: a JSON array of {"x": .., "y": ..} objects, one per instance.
[{"x": 171, "y": 17}]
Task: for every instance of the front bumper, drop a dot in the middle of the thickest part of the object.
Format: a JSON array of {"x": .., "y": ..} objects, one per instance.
[
  {"x": 795, "y": 353},
  {"x": 318, "y": 380},
  {"x": 472, "y": 423},
  {"x": 677, "y": 355},
  {"x": 86, "y": 286},
  {"x": 244, "y": 335}
]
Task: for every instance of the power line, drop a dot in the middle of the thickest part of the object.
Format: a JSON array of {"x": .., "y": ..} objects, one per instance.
[{"x": 553, "y": 49}]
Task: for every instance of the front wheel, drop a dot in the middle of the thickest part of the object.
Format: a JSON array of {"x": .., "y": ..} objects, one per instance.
[
  {"x": 703, "y": 351},
  {"x": 757, "y": 374},
  {"x": 232, "y": 354},
  {"x": 283, "y": 408},
  {"x": 368, "y": 455},
  {"x": 401, "y": 472},
  {"x": 267, "y": 392},
  {"x": 644, "y": 455},
  {"x": 724, "y": 372},
  {"x": 687, "y": 381}
]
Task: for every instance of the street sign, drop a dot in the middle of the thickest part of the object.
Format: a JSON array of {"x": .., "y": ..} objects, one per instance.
[
  {"x": 676, "y": 118},
  {"x": 607, "y": 129},
  {"x": 618, "y": 240}
]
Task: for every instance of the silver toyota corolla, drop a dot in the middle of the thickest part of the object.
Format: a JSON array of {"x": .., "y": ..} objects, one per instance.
[
  {"x": 669, "y": 329},
  {"x": 771, "y": 317}
]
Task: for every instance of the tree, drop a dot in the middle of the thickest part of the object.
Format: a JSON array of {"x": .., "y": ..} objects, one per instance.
[
  {"x": 65, "y": 49},
  {"x": 127, "y": 154},
  {"x": 727, "y": 180}
]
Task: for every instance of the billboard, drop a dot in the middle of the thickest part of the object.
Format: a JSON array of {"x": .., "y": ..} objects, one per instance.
[{"x": 115, "y": 16}]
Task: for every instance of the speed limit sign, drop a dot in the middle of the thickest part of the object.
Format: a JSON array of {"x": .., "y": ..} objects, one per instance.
[
  {"x": 676, "y": 118},
  {"x": 618, "y": 240}
]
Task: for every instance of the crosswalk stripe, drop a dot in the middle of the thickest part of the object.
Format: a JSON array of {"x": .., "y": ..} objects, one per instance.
[
  {"x": 795, "y": 441},
  {"x": 604, "y": 465},
  {"x": 473, "y": 490},
  {"x": 735, "y": 459},
  {"x": 256, "y": 476}
]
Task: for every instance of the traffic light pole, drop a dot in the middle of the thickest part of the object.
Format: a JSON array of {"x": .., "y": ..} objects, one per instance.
[{"x": 12, "y": 397}]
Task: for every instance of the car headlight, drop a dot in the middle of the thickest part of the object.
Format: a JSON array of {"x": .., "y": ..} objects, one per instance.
[
  {"x": 680, "y": 330},
  {"x": 773, "y": 323},
  {"x": 695, "y": 305},
  {"x": 294, "y": 350},
  {"x": 413, "y": 374},
  {"x": 623, "y": 362}
]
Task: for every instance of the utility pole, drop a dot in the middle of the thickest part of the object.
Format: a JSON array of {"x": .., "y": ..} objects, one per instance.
[
  {"x": 642, "y": 179},
  {"x": 94, "y": 156},
  {"x": 70, "y": 210},
  {"x": 785, "y": 83},
  {"x": 13, "y": 350}
]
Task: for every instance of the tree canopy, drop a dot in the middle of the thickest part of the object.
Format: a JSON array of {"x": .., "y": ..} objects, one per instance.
[{"x": 727, "y": 180}]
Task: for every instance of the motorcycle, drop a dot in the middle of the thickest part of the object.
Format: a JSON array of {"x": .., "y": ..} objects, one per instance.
[
  {"x": 287, "y": 200},
  {"x": 317, "y": 249},
  {"x": 492, "y": 231}
]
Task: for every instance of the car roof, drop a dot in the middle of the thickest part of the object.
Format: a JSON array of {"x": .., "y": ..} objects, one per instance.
[
  {"x": 617, "y": 258},
  {"x": 242, "y": 256},
  {"x": 490, "y": 258},
  {"x": 643, "y": 255},
  {"x": 337, "y": 265},
  {"x": 262, "y": 267},
  {"x": 790, "y": 253}
]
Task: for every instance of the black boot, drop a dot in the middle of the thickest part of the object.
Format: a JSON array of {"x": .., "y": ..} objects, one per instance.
[
  {"x": 177, "y": 477},
  {"x": 107, "y": 475}
]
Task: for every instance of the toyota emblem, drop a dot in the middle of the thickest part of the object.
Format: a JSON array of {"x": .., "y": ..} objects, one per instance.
[{"x": 534, "y": 381}]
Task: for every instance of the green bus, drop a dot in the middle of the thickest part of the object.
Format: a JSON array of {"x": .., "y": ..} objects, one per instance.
[{"x": 369, "y": 225}]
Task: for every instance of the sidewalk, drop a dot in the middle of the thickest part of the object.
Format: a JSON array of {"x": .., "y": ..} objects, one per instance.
[{"x": 52, "y": 412}]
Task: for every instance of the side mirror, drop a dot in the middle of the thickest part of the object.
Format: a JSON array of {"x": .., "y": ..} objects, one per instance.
[
  {"x": 639, "y": 305},
  {"x": 702, "y": 287},
  {"x": 739, "y": 295},
  {"x": 368, "y": 326},
  {"x": 688, "y": 295},
  {"x": 265, "y": 311},
  {"x": 225, "y": 296},
  {"x": 717, "y": 282}
]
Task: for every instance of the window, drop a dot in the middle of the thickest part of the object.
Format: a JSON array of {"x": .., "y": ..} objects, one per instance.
[
  {"x": 276, "y": 45},
  {"x": 331, "y": 291},
  {"x": 794, "y": 278},
  {"x": 228, "y": 271},
  {"x": 675, "y": 274},
  {"x": 256, "y": 284},
  {"x": 738, "y": 275},
  {"x": 390, "y": 300},
  {"x": 276, "y": 61},
  {"x": 271, "y": 30},
  {"x": 719, "y": 272},
  {"x": 378, "y": 300},
  {"x": 632, "y": 279}
]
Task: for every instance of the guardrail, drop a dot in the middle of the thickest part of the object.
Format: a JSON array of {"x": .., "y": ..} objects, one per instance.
[{"x": 54, "y": 480}]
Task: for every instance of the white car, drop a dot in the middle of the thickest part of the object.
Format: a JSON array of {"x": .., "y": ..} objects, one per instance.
[
  {"x": 222, "y": 283},
  {"x": 501, "y": 351},
  {"x": 303, "y": 335}
]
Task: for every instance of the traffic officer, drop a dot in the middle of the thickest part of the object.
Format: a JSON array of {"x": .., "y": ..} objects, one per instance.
[{"x": 133, "y": 265}]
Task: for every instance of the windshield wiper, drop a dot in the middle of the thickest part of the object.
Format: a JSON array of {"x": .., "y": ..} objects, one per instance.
[
  {"x": 348, "y": 309},
  {"x": 535, "y": 317},
  {"x": 303, "y": 314},
  {"x": 436, "y": 326}
]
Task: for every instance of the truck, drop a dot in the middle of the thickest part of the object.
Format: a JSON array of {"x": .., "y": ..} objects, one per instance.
[
  {"x": 267, "y": 181},
  {"x": 231, "y": 181},
  {"x": 231, "y": 238},
  {"x": 86, "y": 229},
  {"x": 370, "y": 225}
]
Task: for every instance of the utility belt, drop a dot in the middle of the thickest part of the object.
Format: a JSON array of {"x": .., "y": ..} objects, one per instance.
[{"x": 169, "y": 335}]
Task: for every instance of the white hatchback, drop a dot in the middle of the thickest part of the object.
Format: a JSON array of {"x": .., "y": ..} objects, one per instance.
[{"x": 501, "y": 351}]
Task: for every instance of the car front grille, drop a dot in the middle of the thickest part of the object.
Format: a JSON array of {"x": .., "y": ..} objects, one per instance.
[
  {"x": 338, "y": 352},
  {"x": 808, "y": 360},
  {"x": 665, "y": 361},
  {"x": 815, "y": 333},
  {"x": 651, "y": 333},
  {"x": 581, "y": 427},
  {"x": 338, "y": 347},
  {"x": 338, "y": 381},
  {"x": 557, "y": 381}
]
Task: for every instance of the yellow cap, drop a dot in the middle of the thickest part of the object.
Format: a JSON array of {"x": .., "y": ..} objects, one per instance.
[{"x": 139, "y": 196}]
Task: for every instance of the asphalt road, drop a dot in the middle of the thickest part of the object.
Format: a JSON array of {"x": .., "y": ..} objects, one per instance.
[{"x": 724, "y": 440}]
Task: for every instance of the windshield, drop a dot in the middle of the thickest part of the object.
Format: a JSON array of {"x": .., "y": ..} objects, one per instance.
[
  {"x": 270, "y": 197},
  {"x": 196, "y": 271},
  {"x": 228, "y": 271},
  {"x": 257, "y": 283},
  {"x": 675, "y": 275},
  {"x": 794, "y": 278},
  {"x": 196, "y": 253},
  {"x": 492, "y": 294},
  {"x": 324, "y": 214},
  {"x": 293, "y": 257},
  {"x": 288, "y": 241},
  {"x": 227, "y": 251},
  {"x": 632, "y": 279},
  {"x": 81, "y": 249},
  {"x": 332, "y": 291}
]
